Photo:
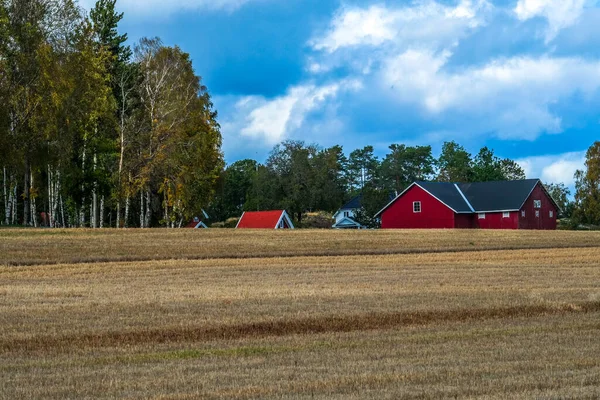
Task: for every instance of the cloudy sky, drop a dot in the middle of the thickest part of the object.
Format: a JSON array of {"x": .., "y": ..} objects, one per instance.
[{"x": 520, "y": 76}]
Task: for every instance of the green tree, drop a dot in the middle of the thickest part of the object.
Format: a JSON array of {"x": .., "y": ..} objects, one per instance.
[
  {"x": 328, "y": 185},
  {"x": 362, "y": 168},
  {"x": 560, "y": 194},
  {"x": 123, "y": 76},
  {"x": 511, "y": 170},
  {"x": 406, "y": 164},
  {"x": 454, "y": 164},
  {"x": 487, "y": 167},
  {"x": 234, "y": 189},
  {"x": 587, "y": 188},
  {"x": 179, "y": 142},
  {"x": 372, "y": 201}
]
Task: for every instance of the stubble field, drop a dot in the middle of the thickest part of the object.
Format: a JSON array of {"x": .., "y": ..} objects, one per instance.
[{"x": 299, "y": 314}]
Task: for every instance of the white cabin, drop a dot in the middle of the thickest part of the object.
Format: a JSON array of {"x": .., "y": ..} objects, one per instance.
[{"x": 344, "y": 217}]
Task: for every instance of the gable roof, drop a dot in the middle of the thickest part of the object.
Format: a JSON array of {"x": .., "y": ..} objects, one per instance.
[
  {"x": 498, "y": 195},
  {"x": 449, "y": 194},
  {"x": 263, "y": 219},
  {"x": 346, "y": 223},
  {"x": 353, "y": 204},
  {"x": 478, "y": 197}
]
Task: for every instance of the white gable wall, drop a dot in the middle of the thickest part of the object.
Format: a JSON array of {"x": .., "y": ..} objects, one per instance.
[{"x": 340, "y": 215}]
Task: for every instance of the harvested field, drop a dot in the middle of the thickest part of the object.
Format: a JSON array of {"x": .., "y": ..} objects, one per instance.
[
  {"x": 438, "y": 314},
  {"x": 34, "y": 247}
]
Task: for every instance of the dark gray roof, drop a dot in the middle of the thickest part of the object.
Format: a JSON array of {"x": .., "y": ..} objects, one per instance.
[
  {"x": 481, "y": 196},
  {"x": 498, "y": 196},
  {"x": 354, "y": 203},
  {"x": 448, "y": 194}
]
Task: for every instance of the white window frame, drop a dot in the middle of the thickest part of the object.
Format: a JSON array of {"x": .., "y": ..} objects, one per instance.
[
  {"x": 537, "y": 213},
  {"x": 481, "y": 215},
  {"x": 415, "y": 203},
  {"x": 506, "y": 215},
  {"x": 537, "y": 204},
  {"x": 523, "y": 213},
  {"x": 551, "y": 214}
]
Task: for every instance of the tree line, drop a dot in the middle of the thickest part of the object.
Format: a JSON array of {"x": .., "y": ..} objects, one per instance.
[
  {"x": 94, "y": 133},
  {"x": 302, "y": 177}
]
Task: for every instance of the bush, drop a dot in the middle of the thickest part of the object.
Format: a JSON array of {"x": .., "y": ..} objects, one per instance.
[{"x": 316, "y": 220}]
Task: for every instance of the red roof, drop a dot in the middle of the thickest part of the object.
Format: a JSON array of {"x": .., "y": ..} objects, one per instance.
[{"x": 260, "y": 219}]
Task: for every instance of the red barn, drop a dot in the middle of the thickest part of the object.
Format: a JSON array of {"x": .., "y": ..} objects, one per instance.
[
  {"x": 523, "y": 204},
  {"x": 278, "y": 219}
]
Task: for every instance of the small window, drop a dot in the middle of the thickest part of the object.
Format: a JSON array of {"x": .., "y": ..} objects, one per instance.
[
  {"x": 537, "y": 213},
  {"x": 551, "y": 214},
  {"x": 481, "y": 216},
  {"x": 523, "y": 213},
  {"x": 537, "y": 204},
  {"x": 506, "y": 215},
  {"x": 346, "y": 214},
  {"x": 417, "y": 207}
]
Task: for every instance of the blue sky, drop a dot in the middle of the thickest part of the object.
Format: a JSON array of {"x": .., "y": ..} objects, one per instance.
[{"x": 520, "y": 76}]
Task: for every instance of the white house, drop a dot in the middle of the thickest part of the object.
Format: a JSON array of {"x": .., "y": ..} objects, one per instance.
[{"x": 344, "y": 216}]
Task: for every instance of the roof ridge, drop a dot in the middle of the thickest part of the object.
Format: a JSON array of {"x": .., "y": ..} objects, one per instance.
[{"x": 464, "y": 197}]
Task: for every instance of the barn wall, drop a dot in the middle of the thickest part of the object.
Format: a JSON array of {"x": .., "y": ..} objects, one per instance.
[
  {"x": 497, "y": 221},
  {"x": 463, "y": 221},
  {"x": 434, "y": 214},
  {"x": 544, "y": 221}
]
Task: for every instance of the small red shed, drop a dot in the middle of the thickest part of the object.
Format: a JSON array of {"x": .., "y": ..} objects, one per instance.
[
  {"x": 277, "y": 219},
  {"x": 522, "y": 204}
]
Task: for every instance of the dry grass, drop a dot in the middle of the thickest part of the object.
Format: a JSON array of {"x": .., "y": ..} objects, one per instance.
[
  {"x": 33, "y": 247},
  {"x": 473, "y": 324}
]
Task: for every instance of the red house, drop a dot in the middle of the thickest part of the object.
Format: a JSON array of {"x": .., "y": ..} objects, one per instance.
[
  {"x": 523, "y": 204},
  {"x": 278, "y": 219}
]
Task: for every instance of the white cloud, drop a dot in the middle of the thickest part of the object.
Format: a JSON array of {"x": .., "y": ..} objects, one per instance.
[
  {"x": 559, "y": 13},
  {"x": 554, "y": 168},
  {"x": 512, "y": 97},
  {"x": 426, "y": 22},
  {"x": 165, "y": 7},
  {"x": 273, "y": 120}
]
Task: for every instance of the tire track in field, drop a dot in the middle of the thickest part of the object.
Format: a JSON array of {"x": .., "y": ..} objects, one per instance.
[
  {"x": 271, "y": 254},
  {"x": 285, "y": 327}
]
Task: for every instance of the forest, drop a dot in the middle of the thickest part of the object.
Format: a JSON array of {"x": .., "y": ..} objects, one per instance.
[{"x": 95, "y": 132}]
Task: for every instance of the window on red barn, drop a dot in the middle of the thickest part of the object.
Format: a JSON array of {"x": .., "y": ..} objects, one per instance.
[
  {"x": 551, "y": 214},
  {"x": 537, "y": 214},
  {"x": 523, "y": 213},
  {"x": 417, "y": 207},
  {"x": 506, "y": 215},
  {"x": 481, "y": 216},
  {"x": 537, "y": 204}
]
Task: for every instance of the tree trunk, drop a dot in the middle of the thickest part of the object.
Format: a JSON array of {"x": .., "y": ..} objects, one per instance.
[
  {"x": 6, "y": 203},
  {"x": 33, "y": 202},
  {"x": 166, "y": 202},
  {"x": 14, "y": 204},
  {"x": 141, "y": 209},
  {"x": 101, "y": 211},
  {"x": 62, "y": 211},
  {"x": 148, "y": 208},
  {"x": 94, "y": 208},
  {"x": 119, "y": 180},
  {"x": 26, "y": 187},
  {"x": 50, "y": 197},
  {"x": 126, "y": 216},
  {"x": 83, "y": 200}
]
